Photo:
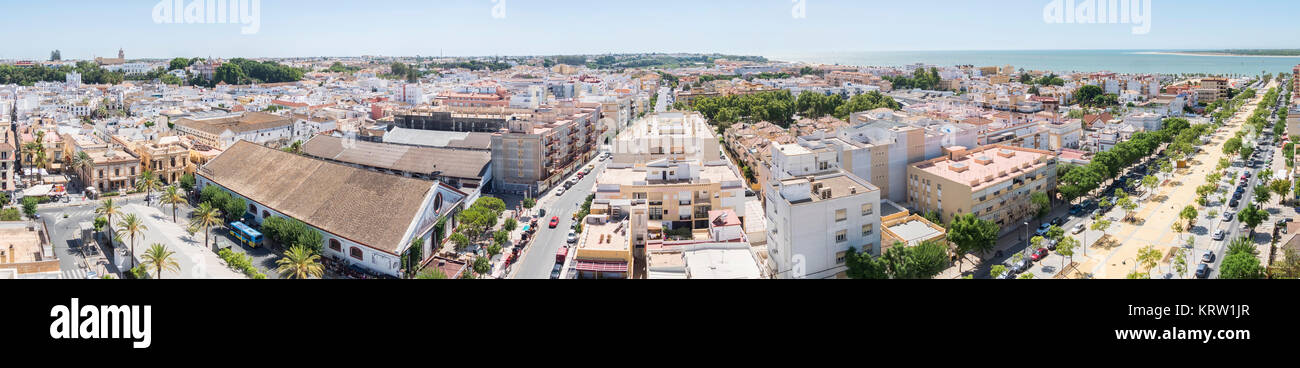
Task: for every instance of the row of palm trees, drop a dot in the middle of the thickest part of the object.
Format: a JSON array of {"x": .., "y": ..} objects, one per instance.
[{"x": 298, "y": 262}]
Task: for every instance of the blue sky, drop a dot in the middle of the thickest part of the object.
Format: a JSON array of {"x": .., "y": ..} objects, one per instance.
[{"x": 82, "y": 29}]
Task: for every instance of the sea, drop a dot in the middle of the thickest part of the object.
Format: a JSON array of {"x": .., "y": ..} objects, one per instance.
[{"x": 1064, "y": 61}]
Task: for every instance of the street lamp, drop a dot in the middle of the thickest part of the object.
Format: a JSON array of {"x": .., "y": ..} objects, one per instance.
[{"x": 1027, "y": 238}]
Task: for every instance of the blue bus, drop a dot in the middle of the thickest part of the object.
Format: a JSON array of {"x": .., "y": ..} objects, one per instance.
[{"x": 246, "y": 235}]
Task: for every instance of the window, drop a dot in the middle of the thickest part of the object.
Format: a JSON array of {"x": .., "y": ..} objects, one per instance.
[
  {"x": 868, "y": 229},
  {"x": 842, "y": 236},
  {"x": 841, "y": 215},
  {"x": 868, "y": 209},
  {"x": 252, "y": 208},
  {"x": 356, "y": 253},
  {"x": 334, "y": 245},
  {"x": 841, "y": 257},
  {"x": 266, "y": 215}
]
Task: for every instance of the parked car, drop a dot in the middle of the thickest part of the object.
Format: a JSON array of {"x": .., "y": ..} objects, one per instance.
[
  {"x": 1208, "y": 257},
  {"x": 1202, "y": 271},
  {"x": 1059, "y": 221},
  {"x": 1040, "y": 254},
  {"x": 555, "y": 272},
  {"x": 1219, "y": 235},
  {"x": 1075, "y": 210},
  {"x": 573, "y": 236},
  {"x": 1042, "y": 230},
  {"x": 559, "y": 191},
  {"x": 1050, "y": 244},
  {"x": 1078, "y": 228}
]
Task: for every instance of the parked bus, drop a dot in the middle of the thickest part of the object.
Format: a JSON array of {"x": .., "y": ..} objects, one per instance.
[{"x": 246, "y": 235}]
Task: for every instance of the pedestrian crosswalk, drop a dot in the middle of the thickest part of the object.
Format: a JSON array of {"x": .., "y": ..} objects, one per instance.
[{"x": 75, "y": 274}]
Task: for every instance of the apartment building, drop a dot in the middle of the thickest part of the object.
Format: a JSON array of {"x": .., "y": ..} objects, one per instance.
[
  {"x": 1214, "y": 89},
  {"x": 679, "y": 194},
  {"x": 1064, "y": 134},
  {"x": 9, "y": 149},
  {"x": 114, "y": 170},
  {"x": 813, "y": 223},
  {"x": 222, "y": 129},
  {"x": 993, "y": 182},
  {"x": 167, "y": 157},
  {"x": 536, "y": 153},
  {"x": 672, "y": 135}
]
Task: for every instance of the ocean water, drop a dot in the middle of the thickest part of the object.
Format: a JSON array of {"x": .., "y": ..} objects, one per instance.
[{"x": 1061, "y": 61}]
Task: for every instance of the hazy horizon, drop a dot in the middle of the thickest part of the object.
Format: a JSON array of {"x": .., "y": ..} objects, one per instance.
[{"x": 83, "y": 29}]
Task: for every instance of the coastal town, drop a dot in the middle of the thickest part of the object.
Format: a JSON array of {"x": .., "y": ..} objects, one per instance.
[{"x": 640, "y": 166}]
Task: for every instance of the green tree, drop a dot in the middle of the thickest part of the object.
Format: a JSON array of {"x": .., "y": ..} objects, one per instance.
[
  {"x": 108, "y": 208},
  {"x": 29, "y": 206},
  {"x": 1263, "y": 194},
  {"x": 997, "y": 271},
  {"x": 923, "y": 261},
  {"x": 1179, "y": 260},
  {"x": 1189, "y": 213},
  {"x": 131, "y": 226},
  {"x": 300, "y": 263},
  {"x": 205, "y": 217},
  {"x": 160, "y": 259},
  {"x": 1252, "y": 216},
  {"x": 462, "y": 242},
  {"x": 432, "y": 274},
  {"x": 1287, "y": 267},
  {"x": 173, "y": 197},
  {"x": 972, "y": 235},
  {"x": 1042, "y": 204},
  {"x": 1066, "y": 248},
  {"x": 1241, "y": 262},
  {"x": 1148, "y": 257},
  {"x": 864, "y": 266}
]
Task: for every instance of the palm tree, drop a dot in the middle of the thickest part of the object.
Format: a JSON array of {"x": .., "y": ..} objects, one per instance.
[
  {"x": 131, "y": 226},
  {"x": 160, "y": 259},
  {"x": 300, "y": 263},
  {"x": 295, "y": 148},
  {"x": 108, "y": 209},
  {"x": 206, "y": 217},
  {"x": 35, "y": 152},
  {"x": 173, "y": 197},
  {"x": 148, "y": 183},
  {"x": 83, "y": 161}
]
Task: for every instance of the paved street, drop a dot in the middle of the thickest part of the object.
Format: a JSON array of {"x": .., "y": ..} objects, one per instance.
[
  {"x": 665, "y": 100},
  {"x": 538, "y": 259}
]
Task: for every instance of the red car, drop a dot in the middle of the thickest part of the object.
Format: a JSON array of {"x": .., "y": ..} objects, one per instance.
[
  {"x": 1039, "y": 255},
  {"x": 555, "y": 222}
]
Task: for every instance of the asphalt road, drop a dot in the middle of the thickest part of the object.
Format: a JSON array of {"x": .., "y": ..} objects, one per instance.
[{"x": 539, "y": 258}]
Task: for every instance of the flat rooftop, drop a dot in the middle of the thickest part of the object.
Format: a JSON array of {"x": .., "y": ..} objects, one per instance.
[
  {"x": 608, "y": 236},
  {"x": 18, "y": 244},
  {"x": 839, "y": 184},
  {"x": 987, "y": 165},
  {"x": 710, "y": 263},
  {"x": 913, "y": 232},
  {"x": 637, "y": 176}
]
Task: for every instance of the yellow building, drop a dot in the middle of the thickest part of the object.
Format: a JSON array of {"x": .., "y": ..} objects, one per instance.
[
  {"x": 679, "y": 193},
  {"x": 167, "y": 157},
  {"x": 994, "y": 182}
]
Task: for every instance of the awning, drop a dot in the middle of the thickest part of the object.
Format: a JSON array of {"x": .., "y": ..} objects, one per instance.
[{"x": 602, "y": 266}]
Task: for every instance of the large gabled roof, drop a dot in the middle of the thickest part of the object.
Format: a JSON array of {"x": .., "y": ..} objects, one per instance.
[{"x": 367, "y": 207}]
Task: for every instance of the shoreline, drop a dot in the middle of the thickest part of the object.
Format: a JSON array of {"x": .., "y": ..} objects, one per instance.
[{"x": 1211, "y": 54}]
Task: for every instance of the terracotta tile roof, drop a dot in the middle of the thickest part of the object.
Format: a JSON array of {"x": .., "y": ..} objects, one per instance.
[
  {"x": 249, "y": 121},
  {"x": 412, "y": 159},
  {"x": 370, "y": 208}
]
